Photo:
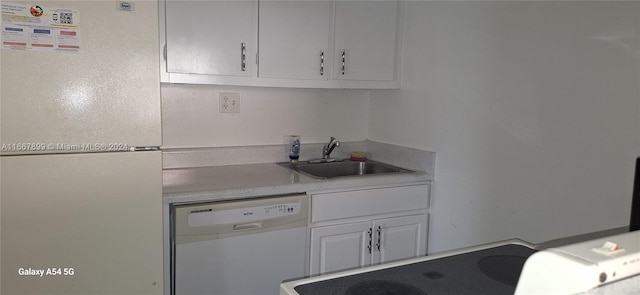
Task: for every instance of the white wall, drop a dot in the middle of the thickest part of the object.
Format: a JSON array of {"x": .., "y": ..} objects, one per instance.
[
  {"x": 190, "y": 116},
  {"x": 532, "y": 108}
]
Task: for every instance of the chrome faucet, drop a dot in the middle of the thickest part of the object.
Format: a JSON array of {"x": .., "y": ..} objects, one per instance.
[{"x": 327, "y": 149}]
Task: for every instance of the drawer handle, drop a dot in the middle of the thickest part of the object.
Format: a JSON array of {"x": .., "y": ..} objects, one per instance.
[{"x": 246, "y": 226}]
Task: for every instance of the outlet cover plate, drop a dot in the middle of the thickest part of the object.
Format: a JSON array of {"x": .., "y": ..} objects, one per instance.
[{"x": 229, "y": 102}]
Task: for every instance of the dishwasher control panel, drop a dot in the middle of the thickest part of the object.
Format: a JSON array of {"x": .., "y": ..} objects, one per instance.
[
  {"x": 223, "y": 219},
  {"x": 282, "y": 209},
  {"x": 210, "y": 216}
]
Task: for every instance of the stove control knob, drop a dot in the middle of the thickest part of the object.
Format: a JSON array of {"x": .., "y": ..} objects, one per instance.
[{"x": 603, "y": 277}]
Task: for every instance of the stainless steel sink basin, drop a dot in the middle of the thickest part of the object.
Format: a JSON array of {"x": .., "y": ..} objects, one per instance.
[{"x": 346, "y": 168}]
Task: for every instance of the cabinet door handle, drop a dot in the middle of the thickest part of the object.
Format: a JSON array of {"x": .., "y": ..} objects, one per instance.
[
  {"x": 243, "y": 56},
  {"x": 322, "y": 62},
  {"x": 370, "y": 233},
  {"x": 379, "y": 232},
  {"x": 344, "y": 60}
]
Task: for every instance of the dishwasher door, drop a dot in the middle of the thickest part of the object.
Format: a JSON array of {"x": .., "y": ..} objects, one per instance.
[{"x": 239, "y": 247}]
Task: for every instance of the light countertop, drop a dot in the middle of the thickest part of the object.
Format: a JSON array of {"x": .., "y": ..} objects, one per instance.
[{"x": 215, "y": 183}]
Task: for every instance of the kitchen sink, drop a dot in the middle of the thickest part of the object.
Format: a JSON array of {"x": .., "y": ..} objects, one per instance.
[{"x": 344, "y": 168}]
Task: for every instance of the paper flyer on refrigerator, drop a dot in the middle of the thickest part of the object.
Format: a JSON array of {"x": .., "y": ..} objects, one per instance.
[{"x": 40, "y": 28}]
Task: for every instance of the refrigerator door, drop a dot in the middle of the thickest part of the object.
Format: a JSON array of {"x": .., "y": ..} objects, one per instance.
[
  {"x": 108, "y": 93},
  {"x": 82, "y": 223}
]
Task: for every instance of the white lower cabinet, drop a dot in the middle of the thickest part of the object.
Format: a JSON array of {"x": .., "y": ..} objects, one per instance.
[
  {"x": 344, "y": 246},
  {"x": 364, "y": 227},
  {"x": 337, "y": 247},
  {"x": 399, "y": 238}
]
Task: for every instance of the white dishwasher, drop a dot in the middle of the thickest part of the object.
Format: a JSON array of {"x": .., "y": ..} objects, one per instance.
[{"x": 244, "y": 247}]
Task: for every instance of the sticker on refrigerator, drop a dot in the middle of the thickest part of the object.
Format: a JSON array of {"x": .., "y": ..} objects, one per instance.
[{"x": 40, "y": 28}]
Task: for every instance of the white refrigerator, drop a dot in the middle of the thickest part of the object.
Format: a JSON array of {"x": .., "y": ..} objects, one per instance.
[{"x": 81, "y": 170}]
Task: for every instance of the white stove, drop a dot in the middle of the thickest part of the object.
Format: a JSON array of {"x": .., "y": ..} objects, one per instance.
[
  {"x": 491, "y": 269},
  {"x": 581, "y": 267}
]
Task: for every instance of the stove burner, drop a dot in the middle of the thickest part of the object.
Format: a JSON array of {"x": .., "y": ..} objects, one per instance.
[
  {"x": 381, "y": 287},
  {"x": 502, "y": 268}
]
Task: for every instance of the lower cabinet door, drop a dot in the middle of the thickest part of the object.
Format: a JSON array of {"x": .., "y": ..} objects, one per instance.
[
  {"x": 339, "y": 247},
  {"x": 399, "y": 238}
]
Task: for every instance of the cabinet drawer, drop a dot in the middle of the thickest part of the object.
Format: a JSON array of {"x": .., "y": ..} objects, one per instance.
[{"x": 368, "y": 202}]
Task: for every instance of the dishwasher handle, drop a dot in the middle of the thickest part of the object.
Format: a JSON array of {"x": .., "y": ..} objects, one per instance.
[{"x": 247, "y": 226}]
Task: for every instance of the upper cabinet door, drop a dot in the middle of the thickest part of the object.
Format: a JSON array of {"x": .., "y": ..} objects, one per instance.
[
  {"x": 294, "y": 39},
  {"x": 211, "y": 37},
  {"x": 365, "y": 40}
]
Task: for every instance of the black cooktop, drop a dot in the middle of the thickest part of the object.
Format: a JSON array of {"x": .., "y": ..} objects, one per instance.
[{"x": 489, "y": 271}]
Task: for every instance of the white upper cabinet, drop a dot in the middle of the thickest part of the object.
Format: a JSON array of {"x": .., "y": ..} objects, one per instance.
[
  {"x": 272, "y": 43},
  {"x": 211, "y": 37},
  {"x": 365, "y": 40},
  {"x": 294, "y": 39}
]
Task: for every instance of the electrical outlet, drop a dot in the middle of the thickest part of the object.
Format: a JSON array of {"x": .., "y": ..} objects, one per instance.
[{"x": 229, "y": 102}]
